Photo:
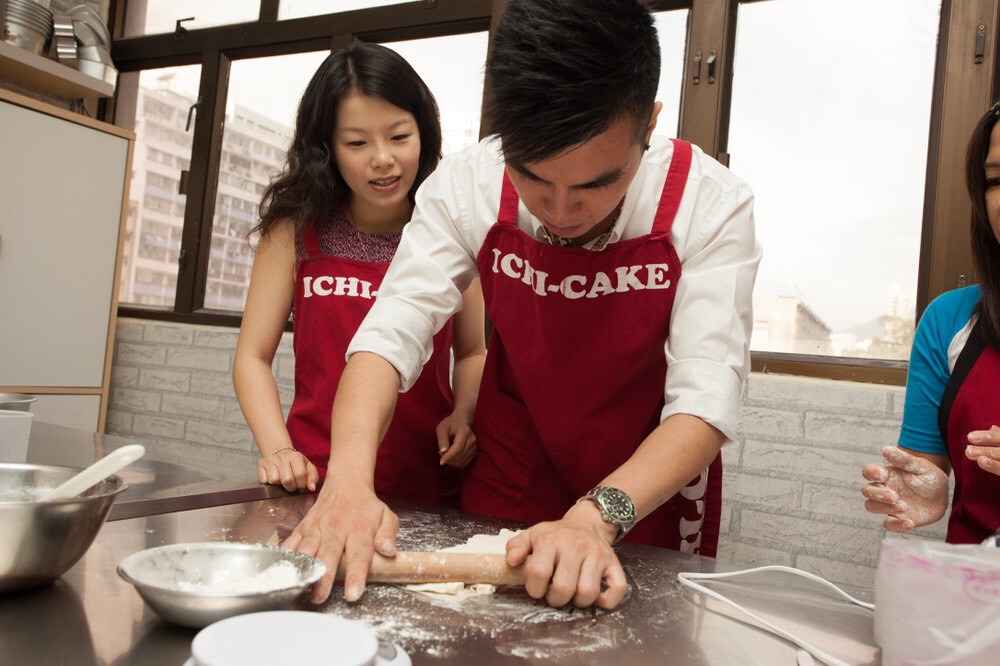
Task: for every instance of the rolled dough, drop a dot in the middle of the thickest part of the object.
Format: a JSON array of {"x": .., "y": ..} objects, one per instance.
[{"x": 477, "y": 543}]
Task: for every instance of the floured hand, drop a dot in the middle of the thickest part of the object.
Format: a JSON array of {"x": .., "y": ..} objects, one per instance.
[{"x": 910, "y": 491}]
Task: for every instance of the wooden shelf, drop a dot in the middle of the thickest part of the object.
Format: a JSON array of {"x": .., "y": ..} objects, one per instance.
[{"x": 39, "y": 72}]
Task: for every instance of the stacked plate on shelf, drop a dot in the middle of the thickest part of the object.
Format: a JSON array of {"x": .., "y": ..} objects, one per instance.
[{"x": 27, "y": 24}]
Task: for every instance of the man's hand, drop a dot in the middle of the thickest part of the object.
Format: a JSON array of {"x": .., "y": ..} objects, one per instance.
[
  {"x": 345, "y": 525},
  {"x": 985, "y": 449},
  {"x": 289, "y": 469},
  {"x": 910, "y": 491},
  {"x": 571, "y": 560}
]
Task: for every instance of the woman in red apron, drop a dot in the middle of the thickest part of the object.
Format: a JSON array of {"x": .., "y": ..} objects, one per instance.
[
  {"x": 951, "y": 421},
  {"x": 554, "y": 419},
  {"x": 367, "y": 134}
]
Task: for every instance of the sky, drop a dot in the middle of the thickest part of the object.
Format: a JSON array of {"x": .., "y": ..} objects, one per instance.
[{"x": 829, "y": 128}]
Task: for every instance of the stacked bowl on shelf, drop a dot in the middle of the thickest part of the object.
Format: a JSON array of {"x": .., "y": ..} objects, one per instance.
[
  {"x": 27, "y": 24},
  {"x": 93, "y": 43}
]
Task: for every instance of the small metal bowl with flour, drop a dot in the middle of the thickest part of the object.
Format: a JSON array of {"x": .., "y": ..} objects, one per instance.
[{"x": 196, "y": 584}]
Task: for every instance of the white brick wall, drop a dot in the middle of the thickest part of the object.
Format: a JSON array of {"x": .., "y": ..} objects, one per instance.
[
  {"x": 792, "y": 484},
  {"x": 173, "y": 382},
  {"x": 791, "y": 489}
]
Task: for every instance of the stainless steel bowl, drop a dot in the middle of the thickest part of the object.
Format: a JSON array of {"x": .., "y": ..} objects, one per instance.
[
  {"x": 42, "y": 540},
  {"x": 196, "y": 584},
  {"x": 17, "y": 401}
]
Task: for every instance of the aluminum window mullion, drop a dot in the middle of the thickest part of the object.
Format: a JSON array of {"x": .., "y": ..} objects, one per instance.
[{"x": 206, "y": 150}]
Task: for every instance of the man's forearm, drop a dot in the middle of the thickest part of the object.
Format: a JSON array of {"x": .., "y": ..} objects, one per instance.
[
  {"x": 673, "y": 454},
  {"x": 362, "y": 411}
]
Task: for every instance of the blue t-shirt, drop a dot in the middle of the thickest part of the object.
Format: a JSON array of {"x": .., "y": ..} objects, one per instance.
[{"x": 931, "y": 365}]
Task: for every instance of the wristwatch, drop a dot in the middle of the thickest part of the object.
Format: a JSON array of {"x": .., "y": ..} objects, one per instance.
[{"x": 616, "y": 508}]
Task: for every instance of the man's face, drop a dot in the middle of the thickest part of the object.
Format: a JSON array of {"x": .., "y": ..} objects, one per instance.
[{"x": 575, "y": 194}]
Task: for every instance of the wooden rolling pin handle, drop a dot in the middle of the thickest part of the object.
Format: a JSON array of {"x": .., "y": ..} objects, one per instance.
[{"x": 442, "y": 567}]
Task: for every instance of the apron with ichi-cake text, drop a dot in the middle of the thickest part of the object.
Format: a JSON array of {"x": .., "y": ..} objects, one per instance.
[
  {"x": 332, "y": 296},
  {"x": 575, "y": 372}
]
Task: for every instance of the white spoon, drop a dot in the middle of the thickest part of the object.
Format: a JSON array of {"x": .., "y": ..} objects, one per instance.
[{"x": 96, "y": 473}]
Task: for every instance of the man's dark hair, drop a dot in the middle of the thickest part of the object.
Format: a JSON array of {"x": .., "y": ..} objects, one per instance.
[{"x": 561, "y": 71}]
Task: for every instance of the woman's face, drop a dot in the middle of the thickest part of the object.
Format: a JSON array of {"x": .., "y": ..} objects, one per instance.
[
  {"x": 992, "y": 168},
  {"x": 377, "y": 149}
]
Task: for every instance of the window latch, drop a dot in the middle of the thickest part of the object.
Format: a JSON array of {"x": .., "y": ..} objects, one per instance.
[
  {"x": 980, "y": 44},
  {"x": 179, "y": 29},
  {"x": 696, "y": 68},
  {"x": 187, "y": 126},
  {"x": 711, "y": 66}
]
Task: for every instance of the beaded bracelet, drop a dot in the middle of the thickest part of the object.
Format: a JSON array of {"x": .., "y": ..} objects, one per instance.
[{"x": 284, "y": 448}]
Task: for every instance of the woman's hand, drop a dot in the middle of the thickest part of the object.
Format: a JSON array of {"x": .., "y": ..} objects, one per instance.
[
  {"x": 985, "y": 449},
  {"x": 290, "y": 469},
  {"x": 456, "y": 441},
  {"x": 909, "y": 490}
]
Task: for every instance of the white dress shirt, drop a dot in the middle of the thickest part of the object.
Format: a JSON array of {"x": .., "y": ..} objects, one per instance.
[{"x": 707, "y": 352}]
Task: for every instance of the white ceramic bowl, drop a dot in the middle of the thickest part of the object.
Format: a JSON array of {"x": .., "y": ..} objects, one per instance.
[{"x": 285, "y": 637}]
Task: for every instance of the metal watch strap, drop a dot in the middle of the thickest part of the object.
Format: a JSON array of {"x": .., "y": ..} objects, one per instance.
[{"x": 616, "y": 508}]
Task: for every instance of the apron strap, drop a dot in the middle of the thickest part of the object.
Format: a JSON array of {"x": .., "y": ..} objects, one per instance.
[
  {"x": 310, "y": 241},
  {"x": 970, "y": 353},
  {"x": 673, "y": 187},
  {"x": 508, "y": 202}
]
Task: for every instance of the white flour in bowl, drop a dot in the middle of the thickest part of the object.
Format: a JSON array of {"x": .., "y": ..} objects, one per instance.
[{"x": 278, "y": 576}]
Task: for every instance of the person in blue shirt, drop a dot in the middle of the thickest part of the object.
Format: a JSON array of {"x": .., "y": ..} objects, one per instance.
[{"x": 952, "y": 408}]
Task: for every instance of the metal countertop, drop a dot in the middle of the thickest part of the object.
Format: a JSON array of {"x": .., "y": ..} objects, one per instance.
[
  {"x": 92, "y": 617},
  {"x": 171, "y": 476}
]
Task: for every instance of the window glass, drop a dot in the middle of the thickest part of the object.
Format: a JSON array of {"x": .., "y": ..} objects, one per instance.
[
  {"x": 298, "y": 8},
  {"x": 672, "y": 29},
  {"x": 150, "y": 17},
  {"x": 162, "y": 99},
  {"x": 829, "y": 128},
  {"x": 452, "y": 67},
  {"x": 260, "y": 119}
]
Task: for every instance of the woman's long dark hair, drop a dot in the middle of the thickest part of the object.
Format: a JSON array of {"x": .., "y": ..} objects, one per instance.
[
  {"x": 311, "y": 186},
  {"x": 985, "y": 248}
]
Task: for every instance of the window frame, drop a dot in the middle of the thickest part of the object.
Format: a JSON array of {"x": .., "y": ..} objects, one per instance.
[{"x": 960, "y": 94}]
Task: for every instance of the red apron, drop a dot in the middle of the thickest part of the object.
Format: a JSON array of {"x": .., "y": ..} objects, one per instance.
[
  {"x": 575, "y": 372},
  {"x": 975, "y": 510},
  {"x": 332, "y": 297}
]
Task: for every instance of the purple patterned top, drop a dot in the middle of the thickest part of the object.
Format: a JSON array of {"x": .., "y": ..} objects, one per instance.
[{"x": 339, "y": 238}]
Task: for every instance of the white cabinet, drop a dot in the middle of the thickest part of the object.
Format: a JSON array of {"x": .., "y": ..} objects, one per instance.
[{"x": 63, "y": 200}]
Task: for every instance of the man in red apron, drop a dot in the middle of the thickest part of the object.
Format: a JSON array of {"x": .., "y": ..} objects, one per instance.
[{"x": 618, "y": 278}]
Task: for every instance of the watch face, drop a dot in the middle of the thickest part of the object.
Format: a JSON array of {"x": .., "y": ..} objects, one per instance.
[{"x": 618, "y": 505}]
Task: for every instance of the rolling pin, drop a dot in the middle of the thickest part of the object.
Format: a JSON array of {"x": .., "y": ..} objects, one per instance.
[{"x": 442, "y": 567}]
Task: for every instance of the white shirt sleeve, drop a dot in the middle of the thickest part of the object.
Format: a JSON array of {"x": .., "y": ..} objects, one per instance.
[
  {"x": 434, "y": 264},
  {"x": 708, "y": 350}
]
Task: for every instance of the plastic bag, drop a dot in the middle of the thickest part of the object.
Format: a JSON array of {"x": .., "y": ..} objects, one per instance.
[{"x": 937, "y": 604}]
